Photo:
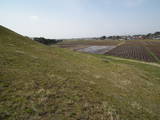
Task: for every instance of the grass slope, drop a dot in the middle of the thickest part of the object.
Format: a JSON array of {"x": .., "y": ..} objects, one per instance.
[{"x": 38, "y": 82}]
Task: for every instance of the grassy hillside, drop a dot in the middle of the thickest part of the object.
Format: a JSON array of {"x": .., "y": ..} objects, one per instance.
[{"x": 38, "y": 82}]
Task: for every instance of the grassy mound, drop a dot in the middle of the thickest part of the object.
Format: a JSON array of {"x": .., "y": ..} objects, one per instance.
[{"x": 48, "y": 83}]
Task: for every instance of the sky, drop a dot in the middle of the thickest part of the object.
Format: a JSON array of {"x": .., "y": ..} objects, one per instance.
[{"x": 80, "y": 18}]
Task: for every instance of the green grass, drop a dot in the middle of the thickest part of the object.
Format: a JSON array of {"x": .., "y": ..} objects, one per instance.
[{"x": 38, "y": 82}]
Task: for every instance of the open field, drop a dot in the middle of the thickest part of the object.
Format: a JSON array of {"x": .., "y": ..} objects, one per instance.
[
  {"x": 145, "y": 50},
  {"x": 133, "y": 50},
  {"x": 90, "y": 42},
  {"x": 80, "y": 44},
  {"x": 39, "y": 82},
  {"x": 154, "y": 47}
]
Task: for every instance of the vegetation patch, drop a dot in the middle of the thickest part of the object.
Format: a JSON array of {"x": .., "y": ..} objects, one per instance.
[{"x": 41, "y": 82}]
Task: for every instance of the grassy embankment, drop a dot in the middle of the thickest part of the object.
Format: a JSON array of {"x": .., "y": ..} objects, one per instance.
[{"x": 49, "y": 83}]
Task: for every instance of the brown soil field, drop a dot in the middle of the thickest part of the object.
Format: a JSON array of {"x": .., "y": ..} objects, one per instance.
[
  {"x": 144, "y": 50},
  {"x": 154, "y": 46},
  {"x": 140, "y": 50},
  {"x": 90, "y": 42}
]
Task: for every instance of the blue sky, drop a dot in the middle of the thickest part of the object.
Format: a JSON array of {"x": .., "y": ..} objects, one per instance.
[{"x": 80, "y": 18}]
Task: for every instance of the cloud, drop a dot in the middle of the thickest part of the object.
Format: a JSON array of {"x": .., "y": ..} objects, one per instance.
[{"x": 34, "y": 18}]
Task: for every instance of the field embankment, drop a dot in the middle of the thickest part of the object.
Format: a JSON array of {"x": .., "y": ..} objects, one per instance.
[{"x": 38, "y": 82}]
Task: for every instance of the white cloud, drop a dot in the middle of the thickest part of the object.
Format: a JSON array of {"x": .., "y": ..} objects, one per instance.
[{"x": 34, "y": 18}]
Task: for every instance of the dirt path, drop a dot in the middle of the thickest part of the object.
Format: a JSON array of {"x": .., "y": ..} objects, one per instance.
[
  {"x": 123, "y": 42},
  {"x": 153, "y": 64}
]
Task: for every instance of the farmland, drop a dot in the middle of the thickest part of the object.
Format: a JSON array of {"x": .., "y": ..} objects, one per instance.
[
  {"x": 154, "y": 46},
  {"x": 139, "y": 50},
  {"x": 144, "y": 50},
  {"x": 79, "y": 44}
]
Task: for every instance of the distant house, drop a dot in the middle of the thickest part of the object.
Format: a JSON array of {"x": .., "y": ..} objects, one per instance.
[{"x": 157, "y": 37}]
